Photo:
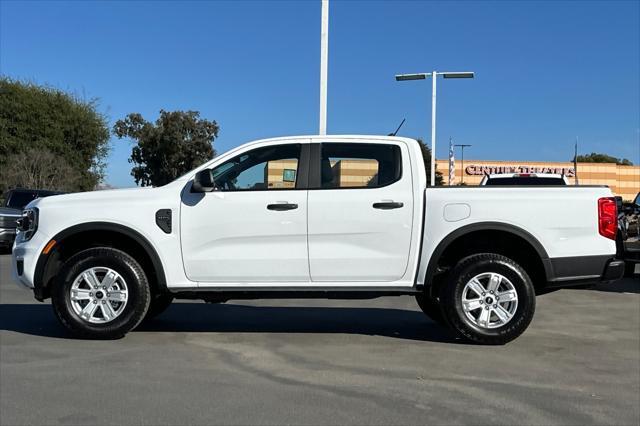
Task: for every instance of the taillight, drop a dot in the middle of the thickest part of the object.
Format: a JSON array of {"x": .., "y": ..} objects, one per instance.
[{"x": 607, "y": 217}]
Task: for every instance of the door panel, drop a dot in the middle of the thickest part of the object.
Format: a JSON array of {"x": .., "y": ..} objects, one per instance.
[
  {"x": 357, "y": 231},
  {"x": 234, "y": 237},
  {"x": 253, "y": 226}
]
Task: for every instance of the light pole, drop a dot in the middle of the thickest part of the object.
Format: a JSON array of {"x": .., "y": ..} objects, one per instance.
[
  {"x": 324, "y": 63},
  {"x": 433, "y": 75},
  {"x": 463, "y": 146}
]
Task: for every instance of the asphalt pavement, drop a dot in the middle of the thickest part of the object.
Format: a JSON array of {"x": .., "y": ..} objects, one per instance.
[{"x": 376, "y": 361}]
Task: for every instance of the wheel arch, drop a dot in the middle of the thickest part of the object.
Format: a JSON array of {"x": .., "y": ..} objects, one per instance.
[
  {"x": 496, "y": 228},
  {"x": 91, "y": 234}
]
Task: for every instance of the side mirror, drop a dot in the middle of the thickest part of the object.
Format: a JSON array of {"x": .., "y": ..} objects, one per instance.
[{"x": 203, "y": 181}]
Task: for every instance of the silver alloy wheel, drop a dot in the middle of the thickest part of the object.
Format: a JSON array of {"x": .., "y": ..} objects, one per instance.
[
  {"x": 99, "y": 295},
  {"x": 489, "y": 300}
]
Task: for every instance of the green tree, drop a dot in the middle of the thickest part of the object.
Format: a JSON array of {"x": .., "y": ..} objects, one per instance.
[
  {"x": 426, "y": 155},
  {"x": 41, "y": 169},
  {"x": 36, "y": 118},
  {"x": 602, "y": 158},
  {"x": 178, "y": 142}
]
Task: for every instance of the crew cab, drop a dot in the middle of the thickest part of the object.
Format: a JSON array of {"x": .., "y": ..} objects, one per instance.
[{"x": 315, "y": 216}]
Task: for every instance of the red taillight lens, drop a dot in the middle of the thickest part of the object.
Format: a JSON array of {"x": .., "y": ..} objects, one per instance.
[{"x": 607, "y": 217}]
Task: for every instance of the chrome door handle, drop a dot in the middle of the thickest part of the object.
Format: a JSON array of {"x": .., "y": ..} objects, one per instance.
[
  {"x": 388, "y": 205},
  {"x": 279, "y": 207}
]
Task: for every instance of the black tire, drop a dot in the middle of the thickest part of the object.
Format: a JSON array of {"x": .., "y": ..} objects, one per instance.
[
  {"x": 158, "y": 305},
  {"x": 462, "y": 273},
  {"x": 138, "y": 299},
  {"x": 431, "y": 308}
]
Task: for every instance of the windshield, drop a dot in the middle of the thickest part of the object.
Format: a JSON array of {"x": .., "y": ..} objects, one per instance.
[
  {"x": 18, "y": 200},
  {"x": 526, "y": 181}
]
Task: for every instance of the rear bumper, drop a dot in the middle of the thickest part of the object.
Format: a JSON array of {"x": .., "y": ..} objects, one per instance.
[
  {"x": 613, "y": 271},
  {"x": 572, "y": 271}
]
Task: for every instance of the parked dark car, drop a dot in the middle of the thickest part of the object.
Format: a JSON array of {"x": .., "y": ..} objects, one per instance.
[
  {"x": 14, "y": 201},
  {"x": 631, "y": 234}
]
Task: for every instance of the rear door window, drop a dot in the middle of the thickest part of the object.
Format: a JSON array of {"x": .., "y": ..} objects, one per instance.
[{"x": 359, "y": 165}]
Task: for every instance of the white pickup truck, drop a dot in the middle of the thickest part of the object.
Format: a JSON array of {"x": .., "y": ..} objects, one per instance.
[{"x": 315, "y": 216}]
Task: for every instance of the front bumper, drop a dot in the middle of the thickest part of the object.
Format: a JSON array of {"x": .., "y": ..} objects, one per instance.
[{"x": 24, "y": 258}]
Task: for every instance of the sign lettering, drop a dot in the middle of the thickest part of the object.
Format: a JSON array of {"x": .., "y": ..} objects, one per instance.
[{"x": 474, "y": 170}]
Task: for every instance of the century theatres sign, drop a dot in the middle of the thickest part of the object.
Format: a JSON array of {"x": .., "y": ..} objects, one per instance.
[{"x": 475, "y": 170}]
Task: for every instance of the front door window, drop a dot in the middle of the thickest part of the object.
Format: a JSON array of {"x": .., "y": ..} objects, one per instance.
[{"x": 272, "y": 167}]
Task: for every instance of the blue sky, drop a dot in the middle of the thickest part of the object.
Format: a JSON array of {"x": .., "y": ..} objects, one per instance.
[{"x": 545, "y": 71}]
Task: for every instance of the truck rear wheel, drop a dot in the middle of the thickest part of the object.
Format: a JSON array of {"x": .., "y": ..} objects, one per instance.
[
  {"x": 488, "y": 299},
  {"x": 100, "y": 293}
]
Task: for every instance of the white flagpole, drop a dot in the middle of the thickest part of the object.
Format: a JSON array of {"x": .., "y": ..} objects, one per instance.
[
  {"x": 324, "y": 61},
  {"x": 452, "y": 164},
  {"x": 575, "y": 163}
]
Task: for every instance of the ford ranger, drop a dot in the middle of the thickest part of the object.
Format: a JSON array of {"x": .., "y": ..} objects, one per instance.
[{"x": 315, "y": 216}]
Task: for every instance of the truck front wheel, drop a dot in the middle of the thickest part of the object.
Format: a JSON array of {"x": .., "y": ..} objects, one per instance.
[
  {"x": 488, "y": 299},
  {"x": 100, "y": 293}
]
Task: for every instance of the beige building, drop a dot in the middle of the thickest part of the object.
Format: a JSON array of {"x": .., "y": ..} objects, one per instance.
[
  {"x": 623, "y": 180},
  {"x": 281, "y": 173},
  {"x": 354, "y": 173}
]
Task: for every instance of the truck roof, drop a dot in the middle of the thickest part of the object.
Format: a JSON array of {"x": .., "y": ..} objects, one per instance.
[{"x": 354, "y": 137}]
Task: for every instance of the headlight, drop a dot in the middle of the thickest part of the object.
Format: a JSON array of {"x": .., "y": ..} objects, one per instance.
[{"x": 28, "y": 223}]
